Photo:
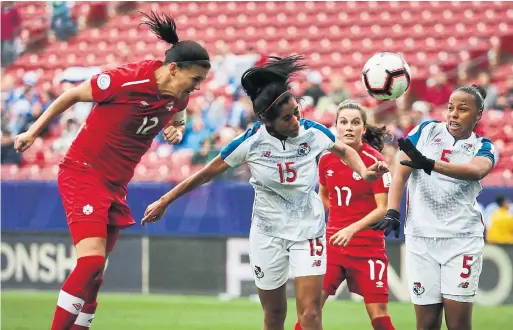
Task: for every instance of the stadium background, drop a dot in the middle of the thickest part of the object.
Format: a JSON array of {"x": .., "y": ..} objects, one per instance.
[{"x": 199, "y": 255}]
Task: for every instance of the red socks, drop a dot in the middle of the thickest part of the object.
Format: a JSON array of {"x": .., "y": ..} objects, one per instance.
[
  {"x": 78, "y": 288},
  {"x": 382, "y": 323},
  {"x": 379, "y": 323}
]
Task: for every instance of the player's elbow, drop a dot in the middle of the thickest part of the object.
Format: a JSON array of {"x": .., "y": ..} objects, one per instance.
[{"x": 480, "y": 174}]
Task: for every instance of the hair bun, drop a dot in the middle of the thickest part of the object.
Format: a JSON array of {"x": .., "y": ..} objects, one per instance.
[{"x": 480, "y": 89}]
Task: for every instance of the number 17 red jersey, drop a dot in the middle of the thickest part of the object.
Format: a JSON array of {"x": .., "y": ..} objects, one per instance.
[
  {"x": 352, "y": 198},
  {"x": 129, "y": 113}
]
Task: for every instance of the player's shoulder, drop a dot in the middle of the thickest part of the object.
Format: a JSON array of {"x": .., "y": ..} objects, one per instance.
[
  {"x": 370, "y": 155},
  {"x": 327, "y": 157},
  {"x": 483, "y": 140},
  {"x": 134, "y": 72},
  {"x": 426, "y": 125},
  {"x": 308, "y": 124},
  {"x": 243, "y": 139},
  {"x": 249, "y": 134}
]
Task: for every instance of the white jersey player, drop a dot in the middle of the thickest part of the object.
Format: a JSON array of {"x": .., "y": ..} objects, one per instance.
[
  {"x": 444, "y": 226},
  {"x": 287, "y": 227}
]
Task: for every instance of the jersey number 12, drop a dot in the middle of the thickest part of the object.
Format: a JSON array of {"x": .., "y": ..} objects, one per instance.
[{"x": 147, "y": 124}]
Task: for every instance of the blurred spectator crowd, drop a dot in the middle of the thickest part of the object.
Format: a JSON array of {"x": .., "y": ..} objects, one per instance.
[{"x": 221, "y": 110}]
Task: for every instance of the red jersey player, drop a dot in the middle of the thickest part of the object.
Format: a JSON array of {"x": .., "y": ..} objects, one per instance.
[
  {"x": 133, "y": 104},
  {"x": 356, "y": 253}
]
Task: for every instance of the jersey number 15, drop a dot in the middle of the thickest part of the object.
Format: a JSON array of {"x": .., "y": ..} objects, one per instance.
[{"x": 287, "y": 172}]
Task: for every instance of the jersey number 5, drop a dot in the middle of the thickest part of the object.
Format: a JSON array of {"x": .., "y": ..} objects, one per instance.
[
  {"x": 445, "y": 152},
  {"x": 290, "y": 174},
  {"x": 147, "y": 124}
]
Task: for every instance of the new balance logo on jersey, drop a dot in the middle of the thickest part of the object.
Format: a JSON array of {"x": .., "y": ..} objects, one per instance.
[
  {"x": 304, "y": 149},
  {"x": 266, "y": 154},
  {"x": 330, "y": 173},
  {"x": 463, "y": 285},
  {"x": 317, "y": 263}
]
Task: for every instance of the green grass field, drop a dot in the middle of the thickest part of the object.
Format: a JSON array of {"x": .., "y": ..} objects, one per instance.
[{"x": 22, "y": 310}]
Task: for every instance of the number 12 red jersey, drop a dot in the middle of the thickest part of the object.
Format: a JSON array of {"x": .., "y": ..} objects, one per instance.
[
  {"x": 129, "y": 113},
  {"x": 352, "y": 198}
]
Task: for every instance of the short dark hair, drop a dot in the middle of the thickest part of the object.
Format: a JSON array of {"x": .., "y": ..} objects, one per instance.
[
  {"x": 268, "y": 86},
  {"x": 479, "y": 93},
  {"x": 185, "y": 53},
  {"x": 374, "y": 135}
]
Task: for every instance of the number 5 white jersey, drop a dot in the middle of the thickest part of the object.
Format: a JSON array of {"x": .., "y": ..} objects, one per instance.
[
  {"x": 437, "y": 205},
  {"x": 284, "y": 176}
]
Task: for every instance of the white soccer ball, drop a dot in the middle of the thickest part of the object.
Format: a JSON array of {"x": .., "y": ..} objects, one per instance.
[{"x": 386, "y": 76}]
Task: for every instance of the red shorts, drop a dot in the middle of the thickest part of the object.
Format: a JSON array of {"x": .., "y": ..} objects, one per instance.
[
  {"x": 366, "y": 273},
  {"x": 93, "y": 207}
]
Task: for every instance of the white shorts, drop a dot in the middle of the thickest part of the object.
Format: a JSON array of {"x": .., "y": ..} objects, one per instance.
[
  {"x": 271, "y": 259},
  {"x": 440, "y": 268}
]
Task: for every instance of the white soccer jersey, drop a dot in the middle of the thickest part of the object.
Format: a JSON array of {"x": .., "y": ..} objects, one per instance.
[
  {"x": 437, "y": 205},
  {"x": 284, "y": 176}
]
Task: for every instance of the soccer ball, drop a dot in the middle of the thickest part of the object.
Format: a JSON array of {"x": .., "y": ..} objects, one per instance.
[{"x": 386, "y": 76}]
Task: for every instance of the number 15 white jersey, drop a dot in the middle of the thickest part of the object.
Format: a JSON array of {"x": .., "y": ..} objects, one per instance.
[{"x": 284, "y": 175}]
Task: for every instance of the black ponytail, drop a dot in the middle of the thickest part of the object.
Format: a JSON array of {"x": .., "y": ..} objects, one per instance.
[
  {"x": 374, "y": 135},
  {"x": 184, "y": 53},
  {"x": 268, "y": 87},
  {"x": 162, "y": 25}
]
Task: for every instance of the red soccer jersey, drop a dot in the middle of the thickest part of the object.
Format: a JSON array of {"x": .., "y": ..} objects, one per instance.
[
  {"x": 128, "y": 114},
  {"x": 352, "y": 198}
]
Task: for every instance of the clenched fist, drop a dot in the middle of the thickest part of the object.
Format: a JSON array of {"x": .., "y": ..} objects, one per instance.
[{"x": 173, "y": 135}]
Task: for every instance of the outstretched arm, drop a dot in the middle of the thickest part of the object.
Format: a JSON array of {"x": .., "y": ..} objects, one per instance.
[
  {"x": 206, "y": 174},
  {"x": 353, "y": 160},
  {"x": 156, "y": 210},
  {"x": 81, "y": 93},
  {"x": 477, "y": 169},
  {"x": 349, "y": 156}
]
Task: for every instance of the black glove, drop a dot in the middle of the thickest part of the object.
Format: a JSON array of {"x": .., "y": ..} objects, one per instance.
[
  {"x": 418, "y": 160},
  {"x": 390, "y": 222}
]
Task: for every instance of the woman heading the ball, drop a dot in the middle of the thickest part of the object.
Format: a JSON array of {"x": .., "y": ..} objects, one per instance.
[
  {"x": 443, "y": 163},
  {"x": 287, "y": 226}
]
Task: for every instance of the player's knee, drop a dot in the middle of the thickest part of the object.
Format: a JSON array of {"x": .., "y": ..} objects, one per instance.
[
  {"x": 377, "y": 309},
  {"x": 458, "y": 325},
  {"x": 310, "y": 315},
  {"x": 92, "y": 246},
  {"x": 428, "y": 324},
  {"x": 275, "y": 315}
]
